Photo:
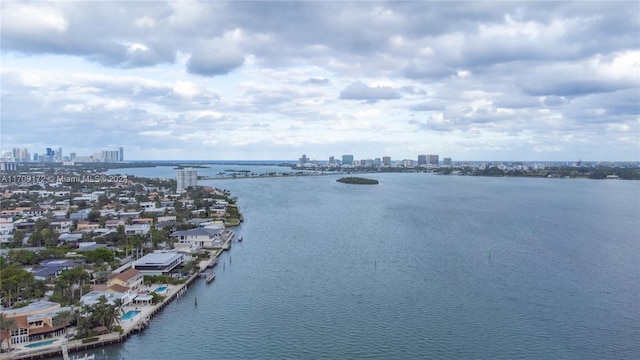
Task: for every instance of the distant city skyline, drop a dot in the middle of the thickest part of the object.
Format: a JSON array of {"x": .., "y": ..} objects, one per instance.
[
  {"x": 50, "y": 154},
  {"x": 255, "y": 80}
]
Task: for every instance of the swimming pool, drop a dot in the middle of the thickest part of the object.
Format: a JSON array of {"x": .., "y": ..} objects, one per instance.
[
  {"x": 130, "y": 314},
  {"x": 41, "y": 343},
  {"x": 160, "y": 289}
]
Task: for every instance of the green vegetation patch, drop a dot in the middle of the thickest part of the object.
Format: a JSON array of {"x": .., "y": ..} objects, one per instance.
[
  {"x": 88, "y": 340},
  {"x": 357, "y": 180}
]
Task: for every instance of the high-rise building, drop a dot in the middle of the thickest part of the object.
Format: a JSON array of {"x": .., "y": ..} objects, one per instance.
[
  {"x": 109, "y": 156},
  {"x": 303, "y": 160},
  {"x": 446, "y": 161},
  {"x": 332, "y": 160},
  {"x": 378, "y": 162},
  {"x": 347, "y": 159},
  {"x": 386, "y": 161},
  {"x": 186, "y": 178},
  {"x": 433, "y": 159},
  {"x": 121, "y": 154},
  {"x": 422, "y": 160}
]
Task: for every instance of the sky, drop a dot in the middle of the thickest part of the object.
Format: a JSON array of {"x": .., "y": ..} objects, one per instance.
[{"x": 245, "y": 80}]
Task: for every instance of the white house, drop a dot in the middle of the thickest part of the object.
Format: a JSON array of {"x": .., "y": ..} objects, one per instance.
[
  {"x": 201, "y": 237},
  {"x": 137, "y": 229},
  {"x": 6, "y": 226}
]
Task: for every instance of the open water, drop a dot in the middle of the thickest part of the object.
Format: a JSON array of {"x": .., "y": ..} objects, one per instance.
[{"x": 419, "y": 266}]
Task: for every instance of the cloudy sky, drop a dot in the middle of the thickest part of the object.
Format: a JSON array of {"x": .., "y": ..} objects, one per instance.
[{"x": 275, "y": 80}]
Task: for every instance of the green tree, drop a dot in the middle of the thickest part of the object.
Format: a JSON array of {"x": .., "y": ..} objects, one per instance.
[
  {"x": 93, "y": 215},
  {"x": 18, "y": 238},
  {"x": 68, "y": 281},
  {"x": 99, "y": 256},
  {"x": 35, "y": 239},
  {"x": 14, "y": 283},
  {"x": 63, "y": 318},
  {"x": 50, "y": 237},
  {"x": 41, "y": 224}
]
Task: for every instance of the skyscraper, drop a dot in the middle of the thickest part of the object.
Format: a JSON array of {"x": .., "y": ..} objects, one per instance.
[
  {"x": 121, "y": 151},
  {"x": 422, "y": 160},
  {"x": 433, "y": 159},
  {"x": 347, "y": 159},
  {"x": 386, "y": 161},
  {"x": 186, "y": 178}
]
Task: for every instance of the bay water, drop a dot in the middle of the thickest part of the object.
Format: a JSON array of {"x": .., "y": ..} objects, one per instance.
[{"x": 418, "y": 266}]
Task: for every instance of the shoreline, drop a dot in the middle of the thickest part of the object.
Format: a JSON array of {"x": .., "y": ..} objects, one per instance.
[{"x": 61, "y": 346}]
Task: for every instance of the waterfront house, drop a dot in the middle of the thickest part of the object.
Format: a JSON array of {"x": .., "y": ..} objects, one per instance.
[
  {"x": 34, "y": 322},
  {"x": 201, "y": 237},
  {"x": 159, "y": 263}
]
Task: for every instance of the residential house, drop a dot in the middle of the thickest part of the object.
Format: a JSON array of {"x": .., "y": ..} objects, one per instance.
[
  {"x": 113, "y": 224},
  {"x": 159, "y": 263},
  {"x": 86, "y": 226},
  {"x": 137, "y": 229},
  {"x": 6, "y": 226},
  {"x": 62, "y": 226},
  {"x": 142, "y": 221},
  {"x": 166, "y": 219},
  {"x": 80, "y": 215},
  {"x": 131, "y": 279},
  {"x": 35, "y": 322},
  {"x": 201, "y": 237},
  {"x": 93, "y": 297}
]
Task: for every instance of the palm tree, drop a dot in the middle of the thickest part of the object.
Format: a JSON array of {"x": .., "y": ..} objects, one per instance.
[
  {"x": 63, "y": 318},
  {"x": 7, "y": 326},
  {"x": 118, "y": 303}
]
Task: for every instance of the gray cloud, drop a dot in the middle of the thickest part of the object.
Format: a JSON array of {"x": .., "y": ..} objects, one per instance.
[
  {"x": 427, "y": 70},
  {"x": 361, "y": 91},
  {"x": 215, "y": 58},
  {"x": 317, "y": 81}
]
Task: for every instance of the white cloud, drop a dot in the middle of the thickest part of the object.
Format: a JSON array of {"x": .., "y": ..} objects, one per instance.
[{"x": 462, "y": 79}]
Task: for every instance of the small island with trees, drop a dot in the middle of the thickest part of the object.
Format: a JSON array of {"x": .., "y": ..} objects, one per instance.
[{"x": 357, "y": 180}]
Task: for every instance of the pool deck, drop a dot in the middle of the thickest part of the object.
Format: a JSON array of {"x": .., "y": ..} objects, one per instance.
[{"x": 130, "y": 326}]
